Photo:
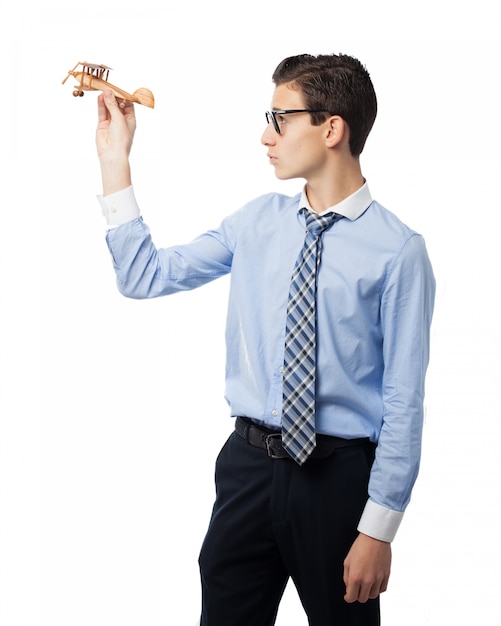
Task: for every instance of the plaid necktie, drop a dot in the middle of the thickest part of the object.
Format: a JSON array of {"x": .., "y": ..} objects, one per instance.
[{"x": 298, "y": 411}]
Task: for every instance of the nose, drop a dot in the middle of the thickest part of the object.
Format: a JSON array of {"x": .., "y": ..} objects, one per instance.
[{"x": 269, "y": 137}]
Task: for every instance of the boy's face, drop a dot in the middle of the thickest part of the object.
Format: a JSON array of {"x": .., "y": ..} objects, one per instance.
[{"x": 299, "y": 151}]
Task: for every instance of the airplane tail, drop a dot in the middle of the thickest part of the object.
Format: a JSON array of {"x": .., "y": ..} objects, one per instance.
[{"x": 145, "y": 97}]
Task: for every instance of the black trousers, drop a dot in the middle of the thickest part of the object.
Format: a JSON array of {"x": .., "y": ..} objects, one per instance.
[{"x": 272, "y": 520}]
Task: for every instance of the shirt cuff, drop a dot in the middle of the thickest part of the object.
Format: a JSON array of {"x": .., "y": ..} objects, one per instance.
[
  {"x": 379, "y": 522},
  {"x": 119, "y": 207}
]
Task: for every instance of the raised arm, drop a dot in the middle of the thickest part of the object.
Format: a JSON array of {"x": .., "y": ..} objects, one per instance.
[{"x": 114, "y": 136}]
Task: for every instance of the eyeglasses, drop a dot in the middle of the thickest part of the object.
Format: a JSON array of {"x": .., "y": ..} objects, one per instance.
[{"x": 271, "y": 116}]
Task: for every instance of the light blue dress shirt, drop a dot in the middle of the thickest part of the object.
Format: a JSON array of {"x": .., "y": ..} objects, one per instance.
[{"x": 374, "y": 308}]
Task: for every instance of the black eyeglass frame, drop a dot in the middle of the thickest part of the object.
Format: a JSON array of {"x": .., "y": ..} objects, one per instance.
[{"x": 271, "y": 115}]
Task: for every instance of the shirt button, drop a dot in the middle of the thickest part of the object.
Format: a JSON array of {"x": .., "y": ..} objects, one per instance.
[
  {"x": 274, "y": 412},
  {"x": 281, "y": 369},
  {"x": 113, "y": 209}
]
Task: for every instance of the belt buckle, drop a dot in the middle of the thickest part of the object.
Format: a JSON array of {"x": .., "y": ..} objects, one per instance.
[{"x": 268, "y": 440}]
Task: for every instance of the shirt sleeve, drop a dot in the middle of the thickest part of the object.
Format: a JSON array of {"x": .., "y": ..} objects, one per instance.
[
  {"x": 407, "y": 303},
  {"x": 144, "y": 270},
  {"x": 119, "y": 207}
]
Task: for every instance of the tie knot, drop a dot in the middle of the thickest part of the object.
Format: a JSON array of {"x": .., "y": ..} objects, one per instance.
[{"x": 316, "y": 224}]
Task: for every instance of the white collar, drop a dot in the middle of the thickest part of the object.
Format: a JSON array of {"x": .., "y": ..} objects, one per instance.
[{"x": 351, "y": 207}]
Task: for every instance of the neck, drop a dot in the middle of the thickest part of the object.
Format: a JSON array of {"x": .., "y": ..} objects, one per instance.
[{"x": 334, "y": 188}]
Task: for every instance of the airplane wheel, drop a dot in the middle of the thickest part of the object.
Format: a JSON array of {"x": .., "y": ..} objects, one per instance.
[
  {"x": 81, "y": 94},
  {"x": 76, "y": 93}
]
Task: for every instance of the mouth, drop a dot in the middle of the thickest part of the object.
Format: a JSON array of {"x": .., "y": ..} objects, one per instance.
[{"x": 271, "y": 158}]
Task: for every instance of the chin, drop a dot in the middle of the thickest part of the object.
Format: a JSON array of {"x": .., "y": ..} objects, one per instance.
[{"x": 284, "y": 175}]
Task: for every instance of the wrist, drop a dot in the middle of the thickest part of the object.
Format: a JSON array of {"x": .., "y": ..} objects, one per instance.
[
  {"x": 369, "y": 539},
  {"x": 116, "y": 176}
]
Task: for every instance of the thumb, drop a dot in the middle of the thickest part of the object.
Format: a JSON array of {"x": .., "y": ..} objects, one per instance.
[{"x": 110, "y": 101}]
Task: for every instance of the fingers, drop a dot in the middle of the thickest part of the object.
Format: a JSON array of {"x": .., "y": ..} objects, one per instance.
[
  {"x": 108, "y": 106},
  {"x": 353, "y": 588},
  {"x": 360, "y": 588},
  {"x": 361, "y": 592}
]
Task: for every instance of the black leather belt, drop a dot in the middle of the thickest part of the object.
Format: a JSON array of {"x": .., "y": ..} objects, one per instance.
[{"x": 271, "y": 441}]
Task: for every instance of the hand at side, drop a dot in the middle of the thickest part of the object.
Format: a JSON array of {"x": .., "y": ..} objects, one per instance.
[{"x": 367, "y": 569}]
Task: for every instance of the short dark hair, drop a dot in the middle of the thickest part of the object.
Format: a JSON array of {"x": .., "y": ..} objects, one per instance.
[{"x": 336, "y": 83}]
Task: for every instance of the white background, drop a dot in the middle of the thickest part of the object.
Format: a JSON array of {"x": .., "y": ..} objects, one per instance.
[{"x": 106, "y": 402}]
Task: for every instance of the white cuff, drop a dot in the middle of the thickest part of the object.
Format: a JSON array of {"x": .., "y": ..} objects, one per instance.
[
  {"x": 379, "y": 522},
  {"x": 119, "y": 207}
]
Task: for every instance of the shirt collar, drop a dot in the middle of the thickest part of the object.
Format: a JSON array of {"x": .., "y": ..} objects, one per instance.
[{"x": 351, "y": 207}]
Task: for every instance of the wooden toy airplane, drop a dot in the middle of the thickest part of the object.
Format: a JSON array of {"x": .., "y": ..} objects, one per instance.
[{"x": 93, "y": 77}]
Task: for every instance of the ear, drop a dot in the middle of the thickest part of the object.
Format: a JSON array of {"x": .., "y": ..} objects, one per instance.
[{"x": 337, "y": 131}]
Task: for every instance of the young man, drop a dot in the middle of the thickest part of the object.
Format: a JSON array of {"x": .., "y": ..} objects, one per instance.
[{"x": 327, "y": 335}]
